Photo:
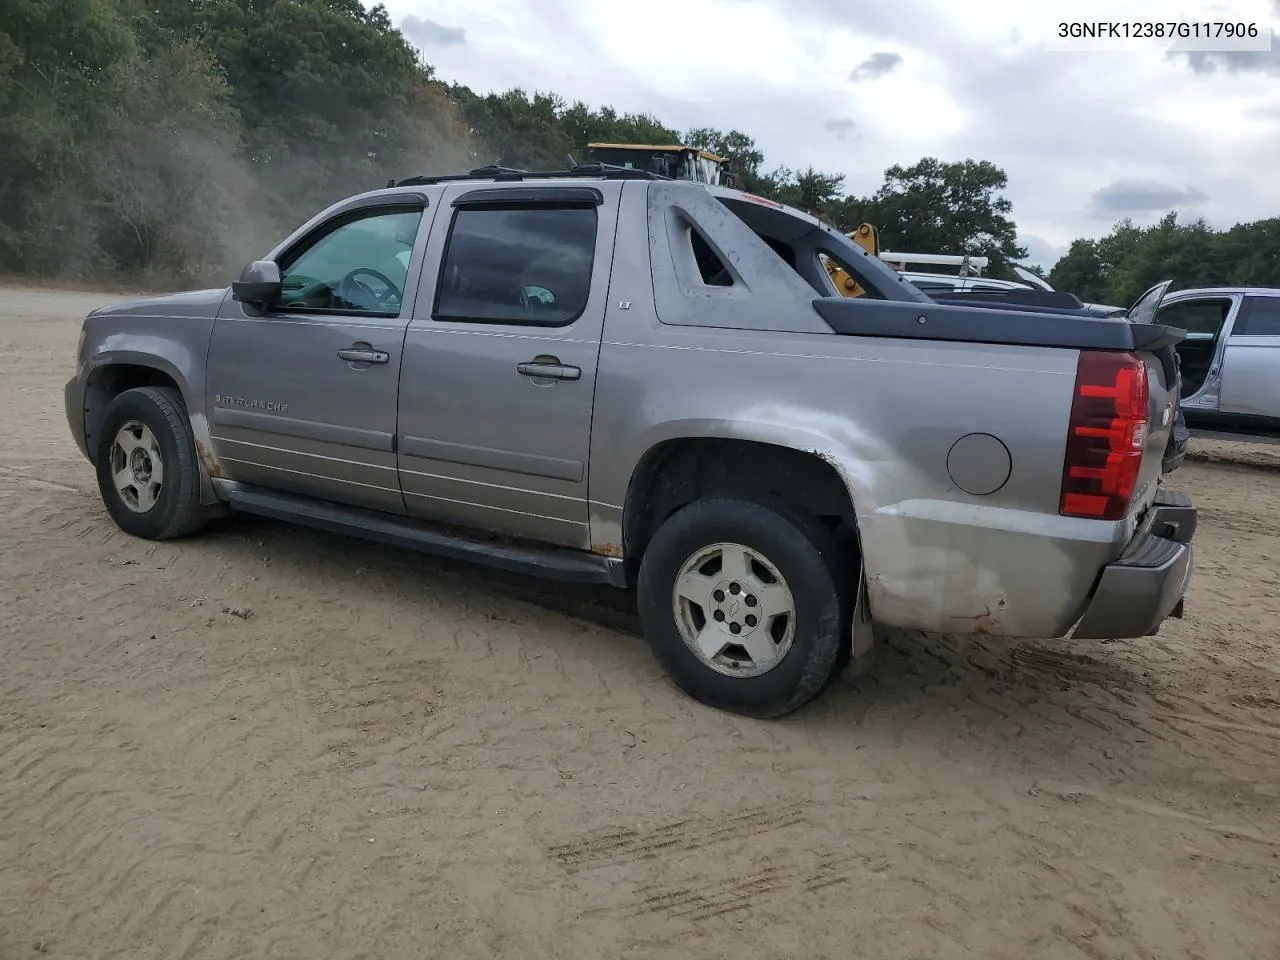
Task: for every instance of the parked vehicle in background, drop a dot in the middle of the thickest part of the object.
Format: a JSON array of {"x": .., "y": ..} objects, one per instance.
[
  {"x": 678, "y": 161},
  {"x": 969, "y": 279},
  {"x": 603, "y": 375},
  {"x": 1230, "y": 356}
]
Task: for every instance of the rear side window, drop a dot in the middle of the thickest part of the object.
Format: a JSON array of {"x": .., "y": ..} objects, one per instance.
[
  {"x": 1261, "y": 318},
  {"x": 519, "y": 265},
  {"x": 711, "y": 268},
  {"x": 1200, "y": 318}
]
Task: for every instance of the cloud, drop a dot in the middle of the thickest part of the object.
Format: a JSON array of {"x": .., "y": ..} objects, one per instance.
[
  {"x": 842, "y": 127},
  {"x": 1040, "y": 251},
  {"x": 876, "y": 65},
  {"x": 1265, "y": 111},
  {"x": 1230, "y": 61},
  {"x": 1206, "y": 62},
  {"x": 1143, "y": 196},
  {"x": 428, "y": 33},
  {"x": 1061, "y": 124}
]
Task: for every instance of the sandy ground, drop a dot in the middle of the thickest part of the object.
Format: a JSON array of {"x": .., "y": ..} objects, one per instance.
[{"x": 382, "y": 756}]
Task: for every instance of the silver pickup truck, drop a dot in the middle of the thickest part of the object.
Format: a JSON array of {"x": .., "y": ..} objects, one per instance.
[{"x": 606, "y": 376}]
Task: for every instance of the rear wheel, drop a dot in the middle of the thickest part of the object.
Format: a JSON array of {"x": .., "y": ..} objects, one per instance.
[
  {"x": 746, "y": 604},
  {"x": 146, "y": 464}
]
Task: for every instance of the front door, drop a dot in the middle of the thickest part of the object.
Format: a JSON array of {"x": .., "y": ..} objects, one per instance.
[
  {"x": 1206, "y": 318},
  {"x": 302, "y": 396},
  {"x": 499, "y": 374},
  {"x": 1145, "y": 307}
]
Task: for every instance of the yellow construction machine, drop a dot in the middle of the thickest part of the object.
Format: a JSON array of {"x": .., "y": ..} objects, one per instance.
[
  {"x": 868, "y": 238},
  {"x": 676, "y": 160}
]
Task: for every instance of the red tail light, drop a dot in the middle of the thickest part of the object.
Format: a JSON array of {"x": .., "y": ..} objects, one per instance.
[{"x": 1109, "y": 417}]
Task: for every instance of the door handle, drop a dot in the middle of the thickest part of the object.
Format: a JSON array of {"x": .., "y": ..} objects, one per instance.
[
  {"x": 363, "y": 353},
  {"x": 548, "y": 368}
]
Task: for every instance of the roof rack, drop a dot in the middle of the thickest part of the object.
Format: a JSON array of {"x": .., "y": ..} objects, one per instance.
[
  {"x": 606, "y": 171},
  {"x": 963, "y": 261}
]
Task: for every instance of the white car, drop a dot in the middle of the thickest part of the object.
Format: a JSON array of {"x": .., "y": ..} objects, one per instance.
[{"x": 1231, "y": 355}]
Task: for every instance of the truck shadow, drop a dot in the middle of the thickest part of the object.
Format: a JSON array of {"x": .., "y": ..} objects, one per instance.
[
  {"x": 1035, "y": 709},
  {"x": 603, "y": 606},
  {"x": 905, "y": 663}
]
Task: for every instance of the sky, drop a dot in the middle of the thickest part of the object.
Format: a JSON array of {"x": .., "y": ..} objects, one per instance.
[{"x": 1088, "y": 131}]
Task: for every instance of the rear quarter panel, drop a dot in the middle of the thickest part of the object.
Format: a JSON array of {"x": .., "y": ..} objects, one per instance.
[{"x": 888, "y": 415}]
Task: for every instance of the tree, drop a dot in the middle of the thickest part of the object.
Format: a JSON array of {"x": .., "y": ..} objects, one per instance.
[
  {"x": 59, "y": 67},
  {"x": 323, "y": 88},
  {"x": 744, "y": 157},
  {"x": 583, "y": 125},
  {"x": 809, "y": 190},
  {"x": 1119, "y": 267},
  {"x": 937, "y": 207},
  {"x": 1080, "y": 271}
]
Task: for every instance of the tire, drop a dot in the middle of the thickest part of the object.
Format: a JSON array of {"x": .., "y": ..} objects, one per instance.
[
  {"x": 813, "y": 570},
  {"x": 160, "y": 429}
]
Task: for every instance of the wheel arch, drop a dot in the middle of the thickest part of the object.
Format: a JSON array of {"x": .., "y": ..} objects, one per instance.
[
  {"x": 677, "y": 470},
  {"x": 117, "y": 371}
]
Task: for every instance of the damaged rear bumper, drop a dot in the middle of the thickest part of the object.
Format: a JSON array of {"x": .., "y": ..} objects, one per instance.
[{"x": 1146, "y": 585}]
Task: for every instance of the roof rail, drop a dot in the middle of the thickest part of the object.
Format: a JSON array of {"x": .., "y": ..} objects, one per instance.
[{"x": 606, "y": 171}]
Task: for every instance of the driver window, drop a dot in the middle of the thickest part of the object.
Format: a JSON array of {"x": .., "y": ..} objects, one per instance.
[{"x": 357, "y": 267}]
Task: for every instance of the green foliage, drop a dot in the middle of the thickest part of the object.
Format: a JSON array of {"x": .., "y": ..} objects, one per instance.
[
  {"x": 170, "y": 140},
  {"x": 742, "y": 153},
  {"x": 1118, "y": 267},
  {"x": 1082, "y": 272},
  {"x": 940, "y": 207}
]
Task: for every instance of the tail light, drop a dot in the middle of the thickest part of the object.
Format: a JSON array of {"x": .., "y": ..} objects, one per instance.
[{"x": 1109, "y": 419}]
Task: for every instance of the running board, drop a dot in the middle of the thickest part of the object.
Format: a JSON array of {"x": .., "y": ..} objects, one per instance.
[{"x": 555, "y": 563}]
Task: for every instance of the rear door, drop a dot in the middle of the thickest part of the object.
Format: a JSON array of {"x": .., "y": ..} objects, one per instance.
[
  {"x": 1251, "y": 359},
  {"x": 498, "y": 383}
]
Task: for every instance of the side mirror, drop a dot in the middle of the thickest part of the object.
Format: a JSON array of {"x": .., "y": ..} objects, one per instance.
[{"x": 259, "y": 284}]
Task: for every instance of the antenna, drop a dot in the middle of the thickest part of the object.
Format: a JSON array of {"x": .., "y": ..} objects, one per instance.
[{"x": 570, "y": 163}]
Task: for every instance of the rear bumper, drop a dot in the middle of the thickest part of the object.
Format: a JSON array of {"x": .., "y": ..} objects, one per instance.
[{"x": 1146, "y": 585}]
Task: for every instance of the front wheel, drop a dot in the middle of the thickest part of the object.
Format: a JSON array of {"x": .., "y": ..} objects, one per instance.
[
  {"x": 146, "y": 463},
  {"x": 746, "y": 604}
]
